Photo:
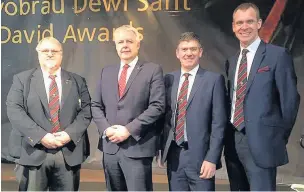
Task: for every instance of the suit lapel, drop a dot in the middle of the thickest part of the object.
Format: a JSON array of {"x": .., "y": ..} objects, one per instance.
[
  {"x": 175, "y": 89},
  {"x": 232, "y": 69},
  {"x": 38, "y": 82},
  {"x": 258, "y": 58},
  {"x": 66, "y": 85},
  {"x": 196, "y": 84},
  {"x": 134, "y": 73}
]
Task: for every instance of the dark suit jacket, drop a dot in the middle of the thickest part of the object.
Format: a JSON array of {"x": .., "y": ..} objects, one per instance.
[
  {"x": 206, "y": 116},
  {"x": 141, "y": 105},
  {"x": 75, "y": 116},
  {"x": 270, "y": 106}
]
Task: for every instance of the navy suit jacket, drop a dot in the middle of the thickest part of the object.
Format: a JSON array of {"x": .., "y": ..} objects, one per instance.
[
  {"x": 270, "y": 105},
  {"x": 142, "y": 104},
  {"x": 206, "y": 116}
]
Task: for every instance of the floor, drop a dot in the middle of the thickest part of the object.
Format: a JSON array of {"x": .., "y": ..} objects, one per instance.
[{"x": 93, "y": 180}]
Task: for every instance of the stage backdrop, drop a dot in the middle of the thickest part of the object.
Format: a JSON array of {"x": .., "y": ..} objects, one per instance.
[{"x": 85, "y": 28}]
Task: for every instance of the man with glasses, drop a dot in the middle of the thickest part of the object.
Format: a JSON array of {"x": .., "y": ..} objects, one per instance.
[
  {"x": 195, "y": 120},
  {"x": 50, "y": 107},
  {"x": 264, "y": 102}
]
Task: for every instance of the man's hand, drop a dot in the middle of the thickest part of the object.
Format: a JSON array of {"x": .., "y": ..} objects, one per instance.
[
  {"x": 110, "y": 131},
  {"x": 158, "y": 159},
  {"x": 207, "y": 170},
  {"x": 62, "y": 137},
  {"x": 121, "y": 133},
  {"x": 50, "y": 142}
]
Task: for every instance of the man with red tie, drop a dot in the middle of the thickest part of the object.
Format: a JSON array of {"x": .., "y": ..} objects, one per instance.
[
  {"x": 50, "y": 108},
  {"x": 195, "y": 120},
  {"x": 264, "y": 102},
  {"x": 129, "y": 99}
]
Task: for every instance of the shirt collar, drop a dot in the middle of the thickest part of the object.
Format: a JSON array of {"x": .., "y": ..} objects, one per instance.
[
  {"x": 253, "y": 47},
  {"x": 46, "y": 74},
  {"x": 192, "y": 72},
  {"x": 131, "y": 64}
]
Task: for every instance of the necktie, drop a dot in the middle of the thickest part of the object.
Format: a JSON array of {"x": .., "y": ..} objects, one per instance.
[
  {"x": 181, "y": 111},
  {"x": 54, "y": 104},
  {"x": 238, "y": 118},
  {"x": 123, "y": 80}
]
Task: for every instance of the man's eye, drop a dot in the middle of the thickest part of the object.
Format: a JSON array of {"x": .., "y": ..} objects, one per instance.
[
  {"x": 250, "y": 21},
  {"x": 239, "y": 23}
]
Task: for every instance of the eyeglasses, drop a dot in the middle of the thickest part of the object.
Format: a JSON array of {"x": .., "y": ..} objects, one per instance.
[{"x": 52, "y": 51}]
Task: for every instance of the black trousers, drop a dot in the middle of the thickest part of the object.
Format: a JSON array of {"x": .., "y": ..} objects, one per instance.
[
  {"x": 127, "y": 174},
  {"x": 243, "y": 173},
  {"x": 53, "y": 175}
]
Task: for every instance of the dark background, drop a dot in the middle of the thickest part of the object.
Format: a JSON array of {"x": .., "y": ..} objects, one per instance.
[{"x": 210, "y": 19}]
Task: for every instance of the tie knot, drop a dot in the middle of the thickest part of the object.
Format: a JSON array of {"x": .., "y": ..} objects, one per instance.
[
  {"x": 244, "y": 52},
  {"x": 186, "y": 75},
  {"x": 126, "y": 66},
  {"x": 52, "y": 77}
]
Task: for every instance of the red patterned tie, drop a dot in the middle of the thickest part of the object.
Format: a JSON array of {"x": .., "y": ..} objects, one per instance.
[
  {"x": 123, "y": 80},
  {"x": 54, "y": 104},
  {"x": 181, "y": 111},
  {"x": 238, "y": 118}
]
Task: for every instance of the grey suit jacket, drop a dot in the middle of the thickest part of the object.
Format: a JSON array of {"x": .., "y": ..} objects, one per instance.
[
  {"x": 141, "y": 105},
  {"x": 75, "y": 116}
]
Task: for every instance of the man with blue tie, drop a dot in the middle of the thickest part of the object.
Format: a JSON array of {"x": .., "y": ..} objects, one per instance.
[
  {"x": 264, "y": 103},
  {"x": 195, "y": 120}
]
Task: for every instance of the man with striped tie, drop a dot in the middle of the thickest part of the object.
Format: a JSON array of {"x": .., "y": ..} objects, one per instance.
[
  {"x": 264, "y": 103},
  {"x": 195, "y": 120},
  {"x": 50, "y": 107}
]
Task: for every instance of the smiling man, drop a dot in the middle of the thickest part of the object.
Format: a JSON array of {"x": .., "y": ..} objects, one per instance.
[
  {"x": 50, "y": 107},
  {"x": 264, "y": 102},
  {"x": 129, "y": 99},
  {"x": 195, "y": 120}
]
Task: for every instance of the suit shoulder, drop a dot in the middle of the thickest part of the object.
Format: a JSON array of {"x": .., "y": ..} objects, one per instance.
[
  {"x": 109, "y": 67},
  {"x": 275, "y": 49},
  {"x": 151, "y": 64},
  {"x": 25, "y": 74},
  {"x": 77, "y": 77},
  {"x": 215, "y": 75},
  {"x": 171, "y": 73}
]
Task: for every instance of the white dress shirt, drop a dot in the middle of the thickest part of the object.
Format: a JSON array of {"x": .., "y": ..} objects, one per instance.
[
  {"x": 47, "y": 83},
  {"x": 191, "y": 81},
  {"x": 252, "y": 48},
  {"x": 130, "y": 69}
]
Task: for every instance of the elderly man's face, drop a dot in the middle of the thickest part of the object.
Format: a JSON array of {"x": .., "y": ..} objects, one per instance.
[
  {"x": 126, "y": 45},
  {"x": 50, "y": 55}
]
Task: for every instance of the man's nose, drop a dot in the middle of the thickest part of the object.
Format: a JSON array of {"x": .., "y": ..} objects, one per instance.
[
  {"x": 244, "y": 25},
  {"x": 49, "y": 53},
  {"x": 188, "y": 52}
]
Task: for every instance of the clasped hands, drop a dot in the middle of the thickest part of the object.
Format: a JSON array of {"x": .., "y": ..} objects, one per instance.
[
  {"x": 55, "y": 140},
  {"x": 117, "y": 133}
]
